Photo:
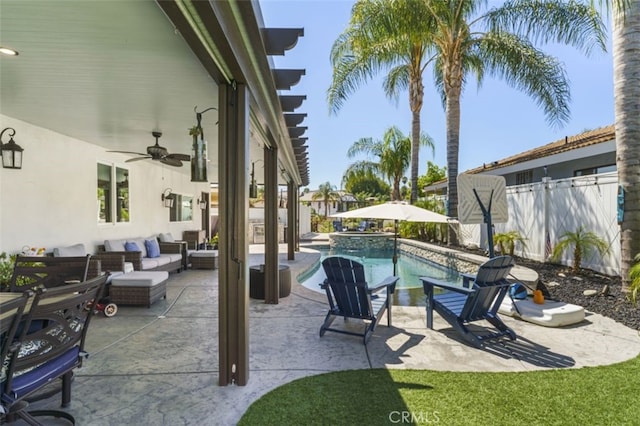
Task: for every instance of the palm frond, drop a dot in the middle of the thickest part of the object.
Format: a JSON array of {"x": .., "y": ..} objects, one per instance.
[
  {"x": 551, "y": 21},
  {"x": 364, "y": 146},
  {"x": 530, "y": 70},
  {"x": 396, "y": 81}
]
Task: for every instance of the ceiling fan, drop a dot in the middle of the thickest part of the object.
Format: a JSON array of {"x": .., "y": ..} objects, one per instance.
[{"x": 158, "y": 153}]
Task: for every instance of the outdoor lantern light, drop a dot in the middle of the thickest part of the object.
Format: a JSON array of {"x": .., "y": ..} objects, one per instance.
[
  {"x": 253, "y": 187},
  {"x": 167, "y": 198},
  {"x": 199, "y": 149},
  {"x": 202, "y": 203},
  {"x": 11, "y": 152}
]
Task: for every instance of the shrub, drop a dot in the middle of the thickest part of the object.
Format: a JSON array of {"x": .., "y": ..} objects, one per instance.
[
  {"x": 507, "y": 241},
  {"x": 6, "y": 270},
  {"x": 582, "y": 243}
]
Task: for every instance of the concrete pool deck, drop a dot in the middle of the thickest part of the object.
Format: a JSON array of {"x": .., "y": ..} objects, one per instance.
[{"x": 160, "y": 365}]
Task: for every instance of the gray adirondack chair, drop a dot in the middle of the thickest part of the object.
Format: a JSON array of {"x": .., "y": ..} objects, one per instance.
[{"x": 478, "y": 299}]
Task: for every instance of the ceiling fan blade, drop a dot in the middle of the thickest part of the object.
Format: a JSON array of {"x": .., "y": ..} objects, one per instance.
[
  {"x": 180, "y": 157},
  {"x": 146, "y": 157},
  {"x": 129, "y": 152},
  {"x": 171, "y": 162}
]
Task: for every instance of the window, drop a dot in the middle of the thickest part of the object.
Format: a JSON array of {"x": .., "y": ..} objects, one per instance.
[
  {"x": 595, "y": 170},
  {"x": 524, "y": 177},
  {"x": 182, "y": 209},
  {"x": 113, "y": 194},
  {"x": 104, "y": 193},
  {"x": 122, "y": 195}
]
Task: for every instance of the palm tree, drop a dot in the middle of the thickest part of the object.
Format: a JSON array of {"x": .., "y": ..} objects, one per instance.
[
  {"x": 365, "y": 182},
  {"x": 582, "y": 243},
  {"x": 498, "y": 43},
  {"x": 626, "y": 72},
  {"x": 390, "y": 35},
  {"x": 393, "y": 154},
  {"x": 327, "y": 193},
  {"x": 507, "y": 241},
  {"x": 401, "y": 34}
]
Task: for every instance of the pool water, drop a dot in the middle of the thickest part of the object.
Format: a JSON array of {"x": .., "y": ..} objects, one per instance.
[{"x": 379, "y": 265}]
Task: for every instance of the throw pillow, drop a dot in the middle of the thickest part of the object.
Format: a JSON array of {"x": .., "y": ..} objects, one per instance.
[
  {"x": 153, "y": 249},
  {"x": 131, "y": 246}
]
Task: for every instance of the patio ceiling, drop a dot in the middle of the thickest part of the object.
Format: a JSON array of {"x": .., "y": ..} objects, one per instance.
[{"x": 106, "y": 72}]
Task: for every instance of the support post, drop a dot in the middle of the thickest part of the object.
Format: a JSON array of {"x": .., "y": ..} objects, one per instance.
[
  {"x": 292, "y": 213},
  {"x": 233, "y": 272},
  {"x": 271, "y": 267}
]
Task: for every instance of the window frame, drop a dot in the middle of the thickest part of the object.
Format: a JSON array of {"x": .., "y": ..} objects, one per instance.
[{"x": 113, "y": 215}]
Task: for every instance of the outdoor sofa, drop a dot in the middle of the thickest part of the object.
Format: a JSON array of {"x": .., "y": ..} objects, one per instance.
[{"x": 147, "y": 254}]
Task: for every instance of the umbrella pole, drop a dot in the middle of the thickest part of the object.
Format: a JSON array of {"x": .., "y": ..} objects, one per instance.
[{"x": 395, "y": 247}]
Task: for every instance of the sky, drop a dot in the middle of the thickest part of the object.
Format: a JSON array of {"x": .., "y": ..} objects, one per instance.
[{"x": 497, "y": 121}]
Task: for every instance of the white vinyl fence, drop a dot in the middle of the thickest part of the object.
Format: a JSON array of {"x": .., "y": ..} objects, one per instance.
[{"x": 541, "y": 212}]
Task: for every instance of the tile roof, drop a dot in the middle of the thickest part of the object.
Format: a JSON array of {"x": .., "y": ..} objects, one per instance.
[{"x": 591, "y": 137}]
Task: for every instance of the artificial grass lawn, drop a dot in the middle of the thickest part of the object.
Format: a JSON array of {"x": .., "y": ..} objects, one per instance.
[{"x": 605, "y": 395}]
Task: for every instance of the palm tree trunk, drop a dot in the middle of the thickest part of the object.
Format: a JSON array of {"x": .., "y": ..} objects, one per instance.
[
  {"x": 452, "y": 111},
  {"x": 626, "y": 77},
  {"x": 577, "y": 258},
  {"x": 416, "y": 97},
  {"x": 395, "y": 193}
]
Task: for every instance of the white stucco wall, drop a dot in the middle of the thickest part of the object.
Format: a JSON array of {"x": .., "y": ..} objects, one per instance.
[{"x": 51, "y": 201}]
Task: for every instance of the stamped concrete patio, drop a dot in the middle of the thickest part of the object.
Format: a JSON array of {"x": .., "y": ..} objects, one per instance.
[{"x": 159, "y": 366}]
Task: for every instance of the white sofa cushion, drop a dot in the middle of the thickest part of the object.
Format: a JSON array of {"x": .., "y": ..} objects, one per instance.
[
  {"x": 162, "y": 260},
  {"x": 114, "y": 245},
  {"x": 70, "y": 251},
  {"x": 147, "y": 263},
  {"x": 166, "y": 238}
]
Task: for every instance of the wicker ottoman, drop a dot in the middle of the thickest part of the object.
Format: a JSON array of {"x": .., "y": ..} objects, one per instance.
[
  {"x": 204, "y": 259},
  {"x": 139, "y": 288}
]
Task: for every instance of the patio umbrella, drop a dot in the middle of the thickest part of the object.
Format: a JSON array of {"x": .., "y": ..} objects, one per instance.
[{"x": 395, "y": 211}]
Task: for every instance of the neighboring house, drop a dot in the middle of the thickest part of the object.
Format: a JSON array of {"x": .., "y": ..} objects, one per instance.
[
  {"x": 344, "y": 201},
  {"x": 574, "y": 175},
  {"x": 587, "y": 153}
]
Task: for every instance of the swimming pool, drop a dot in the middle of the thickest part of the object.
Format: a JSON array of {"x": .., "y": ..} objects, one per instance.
[{"x": 378, "y": 265}]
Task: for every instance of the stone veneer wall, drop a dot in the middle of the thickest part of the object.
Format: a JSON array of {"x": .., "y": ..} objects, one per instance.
[
  {"x": 462, "y": 262},
  {"x": 361, "y": 240}
]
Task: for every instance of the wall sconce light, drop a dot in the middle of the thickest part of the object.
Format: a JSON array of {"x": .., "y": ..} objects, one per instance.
[
  {"x": 11, "y": 152},
  {"x": 167, "y": 198},
  {"x": 202, "y": 203}
]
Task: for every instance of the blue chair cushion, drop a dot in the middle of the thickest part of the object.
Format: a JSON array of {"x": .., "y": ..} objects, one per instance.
[
  {"x": 131, "y": 246},
  {"x": 153, "y": 249},
  {"x": 36, "y": 378}
]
